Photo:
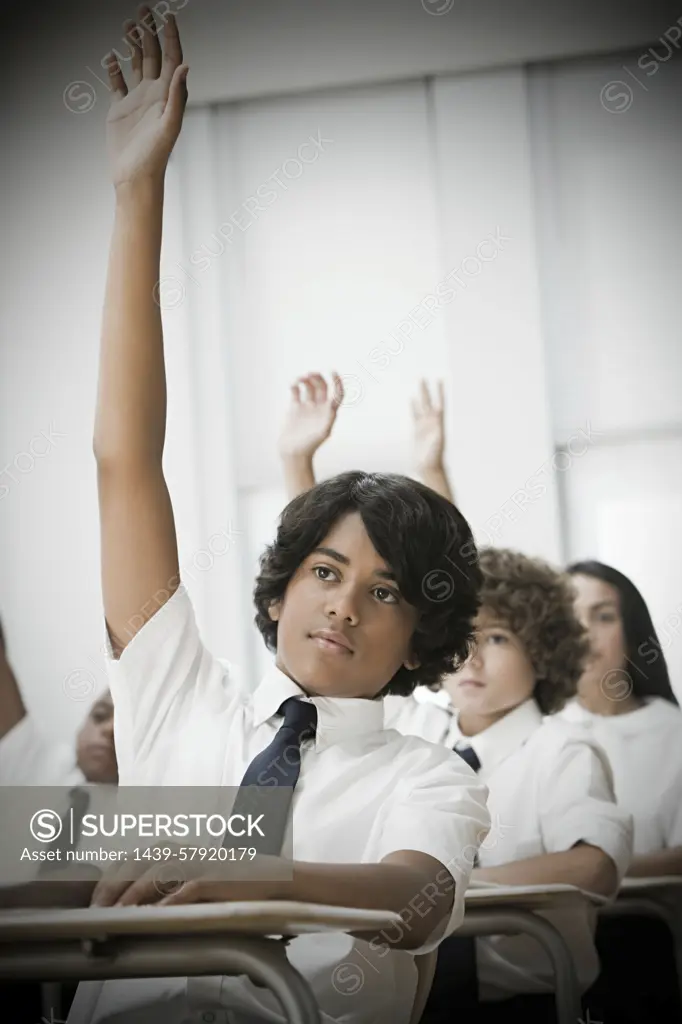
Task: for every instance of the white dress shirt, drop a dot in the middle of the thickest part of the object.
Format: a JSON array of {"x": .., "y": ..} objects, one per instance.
[
  {"x": 363, "y": 793},
  {"x": 645, "y": 750},
  {"x": 550, "y": 787},
  {"x": 30, "y": 758}
]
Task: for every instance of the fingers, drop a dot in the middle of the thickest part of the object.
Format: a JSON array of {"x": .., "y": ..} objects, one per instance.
[
  {"x": 338, "y": 390},
  {"x": 441, "y": 396},
  {"x": 191, "y": 892},
  {"x": 151, "y": 48},
  {"x": 109, "y": 890},
  {"x": 119, "y": 89},
  {"x": 177, "y": 99},
  {"x": 316, "y": 390},
  {"x": 425, "y": 395},
  {"x": 144, "y": 890},
  {"x": 319, "y": 387},
  {"x": 132, "y": 35},
  {"x": 172, "y": 49}
]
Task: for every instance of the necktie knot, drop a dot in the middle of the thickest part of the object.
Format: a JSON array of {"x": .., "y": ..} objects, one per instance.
[{"x": 300, "y": 716}]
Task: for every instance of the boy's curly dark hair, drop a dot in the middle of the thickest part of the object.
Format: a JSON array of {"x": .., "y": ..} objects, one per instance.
[
  {"x": 424, "y": 539},
  {"x": 535, "y": 602}
]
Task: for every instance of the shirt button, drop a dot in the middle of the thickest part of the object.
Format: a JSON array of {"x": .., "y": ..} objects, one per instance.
[{"x": 208, "y": 1017}]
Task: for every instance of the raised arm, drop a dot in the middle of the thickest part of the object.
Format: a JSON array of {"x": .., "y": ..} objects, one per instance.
[
  {"x": 308, "y": 424},
  {"x": 138, "y": 542},
  {"x": 429, "y": 439}
]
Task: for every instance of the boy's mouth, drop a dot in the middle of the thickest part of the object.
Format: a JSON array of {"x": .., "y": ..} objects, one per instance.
[
  {"x": 332, "y": 641},
  {"x": 471, "y": 684}
]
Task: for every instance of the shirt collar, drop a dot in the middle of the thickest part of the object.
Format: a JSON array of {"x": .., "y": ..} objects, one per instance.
[
  {"x": 338, "y": 718},
  {"x": 498, "y": 741}
]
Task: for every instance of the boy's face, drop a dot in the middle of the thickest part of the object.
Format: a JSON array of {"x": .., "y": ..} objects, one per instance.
[
  {"x": 344, "y": 629},
  {"x": 95, "y": 752},
  {"x": 597, "y": 606},
  {"x": 497, "y": 677}
]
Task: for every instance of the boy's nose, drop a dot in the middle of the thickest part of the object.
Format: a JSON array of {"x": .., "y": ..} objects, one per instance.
[{"x": 344, "y": 605}]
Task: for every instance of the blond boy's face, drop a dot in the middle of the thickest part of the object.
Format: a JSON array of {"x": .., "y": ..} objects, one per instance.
[{"x": 499, "y": 674}]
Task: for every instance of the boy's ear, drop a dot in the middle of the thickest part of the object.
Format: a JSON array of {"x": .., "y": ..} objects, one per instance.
[
  {"x": 412, "y": 663},
  {"x": 274, "y": 610}
]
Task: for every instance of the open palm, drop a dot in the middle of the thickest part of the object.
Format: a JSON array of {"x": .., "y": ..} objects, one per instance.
[
  {"x": 429, "y": 430},
  {"x": 309, "y": 422},
  {"x": 145, "y": 116}
]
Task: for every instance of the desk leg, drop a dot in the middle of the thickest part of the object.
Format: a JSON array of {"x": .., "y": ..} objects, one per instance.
[
  {"x": 523, "y": 922},
  {"x": 262, "y": 960}
]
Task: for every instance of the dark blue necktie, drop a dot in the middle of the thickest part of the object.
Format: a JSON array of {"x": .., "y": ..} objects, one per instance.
[
  {"x": 279, "y": 765},
  {"x": 469, "y": 755}
]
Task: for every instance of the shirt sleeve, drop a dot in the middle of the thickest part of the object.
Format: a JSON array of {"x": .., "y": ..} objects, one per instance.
[
  {"x": 440, "y": 810},
  {"x": 164, "y": 679},
  {"x": 672, "y": 810},
  {"x": 29, "y": 758},
  {"x": 577, "y": 802}
]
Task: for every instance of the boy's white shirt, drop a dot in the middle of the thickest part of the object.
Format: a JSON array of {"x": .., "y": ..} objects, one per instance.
[
  {"x": 28, "y": 757},
  {"x": 363, "y": 793},
  {"x": 645, "y": 750},
  {"x": 550, "y": 786}
]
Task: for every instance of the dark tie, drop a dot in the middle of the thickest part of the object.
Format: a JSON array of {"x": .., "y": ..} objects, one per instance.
[
  {"x": 279, "y": 765},
  {"x": 469, "y": 755},
  {"x": 79, "y": 801}
]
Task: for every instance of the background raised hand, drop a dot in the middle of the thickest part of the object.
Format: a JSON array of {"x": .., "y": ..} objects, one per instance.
[
  {"x": 146, "y": 113},
  {"x": 310, "y": 416},
  {"x": 428, "y": 414},
  {"x": 308, "y": 423}
]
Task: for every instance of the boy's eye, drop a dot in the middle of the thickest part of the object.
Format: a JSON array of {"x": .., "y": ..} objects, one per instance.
[
  {"x": 497, "y": 638},
  {"x": 319, "y": 570},
  {"x": 385, "y": 595},
  {"x": 606, "y": 617}
]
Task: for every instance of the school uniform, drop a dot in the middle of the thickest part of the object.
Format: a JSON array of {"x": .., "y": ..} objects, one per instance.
[
  {"x": 363, "y": 792},
  {"x": 550, "y": 787},
  {"x": 30, "y": 758},
  {"x": 644, "y": 748},
  {"x": 419, "y": 716}
]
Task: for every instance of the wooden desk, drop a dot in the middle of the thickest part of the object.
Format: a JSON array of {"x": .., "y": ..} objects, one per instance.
[
  {"x": 513, "y": 910},
  {"x": 152, "y": 941}
]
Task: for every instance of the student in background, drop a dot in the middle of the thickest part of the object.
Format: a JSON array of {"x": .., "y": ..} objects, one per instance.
[
  {"x": 29, "y": 756},
  {"x": 626, "y": 700},
  {"x": 340, "y": 603},
  {"x": 550, "y": 789},
  {"x": 627, "y": 704}
]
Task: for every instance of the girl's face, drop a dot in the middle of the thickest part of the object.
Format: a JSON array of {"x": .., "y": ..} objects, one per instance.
[
  {"x": 497, "y": 677},
  {"x": 597, "y": 606}
]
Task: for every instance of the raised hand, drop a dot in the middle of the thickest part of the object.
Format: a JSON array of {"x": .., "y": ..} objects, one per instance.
[
  {"x": 429, "y": 429},
  {"x": 146, "y": 114},
  {"x": 309, "y": 422}
]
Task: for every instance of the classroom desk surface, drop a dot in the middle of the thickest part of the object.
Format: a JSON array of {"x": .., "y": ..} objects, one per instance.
[
  {"x": 529, "y": 897},
  {"x": 263, "y": 918},
  {"x": 516, "y": 910},
  {"x": 202, "y": 939},
  {"x": 644, "y": 884}
]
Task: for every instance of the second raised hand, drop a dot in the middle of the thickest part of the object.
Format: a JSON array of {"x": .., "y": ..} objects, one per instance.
[
  {"x": 146, "y": 113},
  {"x": 309, "y": 421}
]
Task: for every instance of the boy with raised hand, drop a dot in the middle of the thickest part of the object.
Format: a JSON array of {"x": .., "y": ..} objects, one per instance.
[{"x": 379, "y": 820}]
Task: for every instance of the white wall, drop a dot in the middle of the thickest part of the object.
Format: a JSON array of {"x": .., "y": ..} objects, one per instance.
[
  {"x": 611, "y": 219},
  {"x": 58, "y": 208}
]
